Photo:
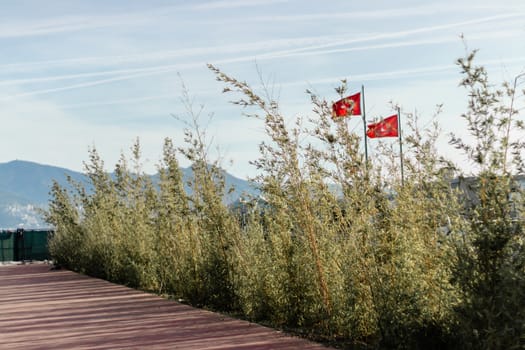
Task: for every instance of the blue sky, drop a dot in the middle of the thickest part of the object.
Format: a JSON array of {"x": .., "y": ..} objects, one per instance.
[{"x": 76, "y": 74}]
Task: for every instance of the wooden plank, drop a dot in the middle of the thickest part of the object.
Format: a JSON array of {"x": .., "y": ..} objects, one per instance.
[{"x": 45, "y": 309}]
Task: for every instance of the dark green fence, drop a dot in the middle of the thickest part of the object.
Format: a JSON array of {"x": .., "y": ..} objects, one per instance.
[
  {"x": 24, "y": 245},
  {"x": 7, "y": 245}
]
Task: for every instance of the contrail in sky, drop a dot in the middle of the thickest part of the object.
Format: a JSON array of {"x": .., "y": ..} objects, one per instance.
[
  {"x": 268, "y": 45},
  {"x": 303, "y": 51}
]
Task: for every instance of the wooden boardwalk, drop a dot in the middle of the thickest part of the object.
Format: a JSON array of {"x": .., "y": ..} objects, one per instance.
[{"x": 44, "y": 309}]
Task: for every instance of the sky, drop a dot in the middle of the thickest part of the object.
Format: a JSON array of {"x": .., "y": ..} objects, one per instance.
[{"x": 77, "y": 74}]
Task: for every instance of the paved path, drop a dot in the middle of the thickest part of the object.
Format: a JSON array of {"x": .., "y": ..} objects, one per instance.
[{"x": 44, "y": 309}]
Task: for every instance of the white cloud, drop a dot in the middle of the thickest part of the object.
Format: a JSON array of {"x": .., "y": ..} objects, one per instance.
[
  {"x": 123, "y": 101},
  {"x": 343, "y": 13},
  {"x": 257, "y": 46},
  {"x": 42, "y": 131},
  {"x": 229, "y": 4},
  {"x": 64, "y": 24},
  {"x": 264, "y": 49},
  {"x": 87, "y": 84},
  {"x": 394, "y": 34}
]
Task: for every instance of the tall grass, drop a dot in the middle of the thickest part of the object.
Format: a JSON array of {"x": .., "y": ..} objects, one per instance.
[{"x": 377, "y": 263}]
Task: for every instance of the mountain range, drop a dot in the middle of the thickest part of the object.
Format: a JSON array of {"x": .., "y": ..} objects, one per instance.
[{"x": 25, "y": 187}]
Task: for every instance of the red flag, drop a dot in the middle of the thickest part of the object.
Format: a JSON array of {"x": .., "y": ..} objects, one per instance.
[
  {"x": 347, "y": 106},
  {"x": 385, "y": 128}
]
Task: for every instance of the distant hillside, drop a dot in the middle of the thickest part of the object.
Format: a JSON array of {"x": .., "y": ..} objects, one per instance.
[
  {"x": 32, "y": 181},
  {"x": 25, "y": 186}
]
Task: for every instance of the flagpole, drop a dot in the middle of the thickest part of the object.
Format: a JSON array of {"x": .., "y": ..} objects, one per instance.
[
  {"x": 364, "y": 125},
  {"x": 400, "y": 146}
]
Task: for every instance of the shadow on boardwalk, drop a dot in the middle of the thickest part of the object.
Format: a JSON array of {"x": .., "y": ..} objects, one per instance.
[{"x": 44, "y": 309}]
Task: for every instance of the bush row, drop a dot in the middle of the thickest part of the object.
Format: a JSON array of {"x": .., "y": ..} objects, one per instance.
[{"x": 378, "y": 263}]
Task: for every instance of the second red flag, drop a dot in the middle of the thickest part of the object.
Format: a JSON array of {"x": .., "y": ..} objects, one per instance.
[{"x": 385, "y": 128}]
